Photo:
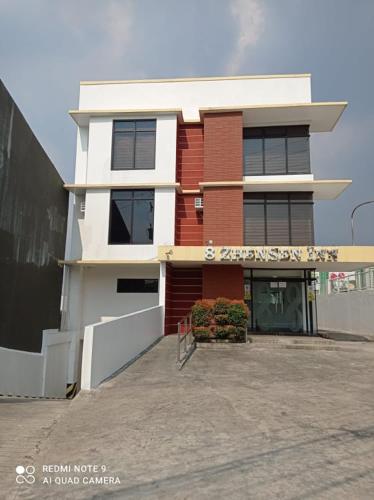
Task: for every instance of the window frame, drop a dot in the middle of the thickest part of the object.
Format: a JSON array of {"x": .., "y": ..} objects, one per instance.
[
  {"x": 135, "y": 121},
  {"x": 156, "y": 280},
  {"x": 265, "y": 201},
  {"x": 132, "y": 215},
  {"x": 289, "y": 132}
]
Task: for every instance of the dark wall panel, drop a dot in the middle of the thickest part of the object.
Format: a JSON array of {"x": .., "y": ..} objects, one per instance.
[{"x": 33, "y": 215}]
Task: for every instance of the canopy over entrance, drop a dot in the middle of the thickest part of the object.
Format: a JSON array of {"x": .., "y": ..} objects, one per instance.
[{"x": 320, "y": 258}]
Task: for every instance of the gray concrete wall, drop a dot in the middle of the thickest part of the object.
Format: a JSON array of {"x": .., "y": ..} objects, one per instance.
[
  {"x": 351, "y": 312},
  {"x": 33, "y": 214}
]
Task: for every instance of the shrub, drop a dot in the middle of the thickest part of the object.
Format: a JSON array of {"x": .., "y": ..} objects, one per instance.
[
  {"x": 201, "y": 313},
  {"x": 201, "y": 334},
  {"x": 238, "y": 314},
  {"x": 221, "y": 332},
  {"x": 231, "y": 331},
  {"x": 221, "y": 319},
  {"x": 221, "y": 306},
  {"x": 212, "y": 329},
  {"x": 239, "y": 334},
  {"x": 242, "y": 304}
]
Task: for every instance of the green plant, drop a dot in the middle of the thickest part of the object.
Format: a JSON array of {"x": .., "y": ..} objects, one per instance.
[
  {"x": 239, "y": 335},
  {"x": 201, "y": 313},
  {"x": 221, "y": 306},
  {"x": 221, "y": 319},
  {"x": 201, "y": 334},
  {"x": 231, "y": 332},
  {"x": 238, "y": 314},
  {"x": 221, "y": 332}
]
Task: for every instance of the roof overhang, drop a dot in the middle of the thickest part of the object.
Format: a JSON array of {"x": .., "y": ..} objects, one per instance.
[
  {"x": 82, "y": 116},
  {"x": 320, "y": 116},
  {"x": 101, "y": 263},
  {"x": 82, "y": 188},
  {"x": 324, "y": 189}
]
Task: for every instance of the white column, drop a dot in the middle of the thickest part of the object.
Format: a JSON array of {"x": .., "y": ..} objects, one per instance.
[
  {"x": 162, "y": 294},
  {"x": 75, "y": 326}
]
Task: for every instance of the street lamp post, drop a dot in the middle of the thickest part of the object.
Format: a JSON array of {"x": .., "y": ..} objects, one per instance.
[{"x": 352, "y": 214}]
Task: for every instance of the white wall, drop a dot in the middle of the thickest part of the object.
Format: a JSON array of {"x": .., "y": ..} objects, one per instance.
[
  {"x": 55, "y": 350},
  {"x": 190, "y": 95},
  {"x": 109, "y": 346},
  {"x": 100, "y": 292},
  {"x": 100, "y": 152},
  {"x": 89, "y": 235},
  {"x": 21, "y": 373},
  {"x": 41, "y": 374},
  {"x": 350, "y": 312},
  {"x": 91, "y": 295},
  {"x": 81, "y": 155},
  {"x": 95, "y": 230}
]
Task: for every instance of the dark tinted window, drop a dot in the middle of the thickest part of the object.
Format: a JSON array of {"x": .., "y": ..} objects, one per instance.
[
  {"x": 254, "y": 156},
  {"x": 298, "y": 155},
  {"x": 254, "y": 223},
  {"x": 302, "y": 229},
  {"x": 277, "y": 224},
  {"x": 276, "y": 150},
  {"x": 134, "y": 144},
  {"x": 278, "y": 219},
  {"x": 131, "y": 217},
  {"x": 137, "y": 285},
  {"x": 275, "y": 155}
]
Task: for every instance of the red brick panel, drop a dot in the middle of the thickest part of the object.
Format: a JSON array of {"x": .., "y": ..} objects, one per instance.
[
  {"x": 168, "y": 296},
  {"x": 223, "y": 215},
  {"x": 189, "y": 221},
  {"x": 183, "y": 288},
  {"x": 190, "y": 165},
  {"x": 190, "y": 155},
  {"x": 223, "y": 281},
  {"x": 223, "y": 147}
]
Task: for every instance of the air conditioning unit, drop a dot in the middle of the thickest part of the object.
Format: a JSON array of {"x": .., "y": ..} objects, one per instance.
[
  {"x": 83, "y": 207},
  {"x": 199, "y": 203}
]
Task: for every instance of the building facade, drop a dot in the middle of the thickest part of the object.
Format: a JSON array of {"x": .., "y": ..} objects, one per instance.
[
  {"x": 198, "y": 188},
  {"x": 33, "y": 217}
]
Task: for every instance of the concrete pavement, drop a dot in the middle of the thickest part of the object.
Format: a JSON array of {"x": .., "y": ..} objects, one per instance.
[{"x": 252, "y": 422}]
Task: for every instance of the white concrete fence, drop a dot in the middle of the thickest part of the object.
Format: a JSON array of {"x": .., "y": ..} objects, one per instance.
[
  {"x": 349, "y": 312},
  {"x": 109, "y": 345},
  {"x": 36, "y": 374}
]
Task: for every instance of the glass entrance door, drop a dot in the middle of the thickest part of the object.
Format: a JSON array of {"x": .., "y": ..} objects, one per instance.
[{"x": 277, "y": 306}]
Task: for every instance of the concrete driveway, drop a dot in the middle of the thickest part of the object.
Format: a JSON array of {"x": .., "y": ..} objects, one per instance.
[{"x": 257, "y": 422}]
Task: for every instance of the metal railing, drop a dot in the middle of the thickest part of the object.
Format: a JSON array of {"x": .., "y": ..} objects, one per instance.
[
  {"x": 360, "y": 280},
  {"x": 186, "y": 341}
]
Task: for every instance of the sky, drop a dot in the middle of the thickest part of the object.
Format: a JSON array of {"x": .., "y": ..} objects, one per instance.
[{"x": 48, "y": 46}]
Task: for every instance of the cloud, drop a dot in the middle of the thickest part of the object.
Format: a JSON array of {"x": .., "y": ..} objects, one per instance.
[
  {"x": 249, "y": 16},
  {"x": 56, "y": 44},
  {"x": 110, "y": 22}
]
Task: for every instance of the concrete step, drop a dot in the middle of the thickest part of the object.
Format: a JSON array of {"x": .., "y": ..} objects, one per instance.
[
  {"x": 299, "y": 342},
  {"x": 284, "y": 339},
  {"x": 309, "y": 347}
]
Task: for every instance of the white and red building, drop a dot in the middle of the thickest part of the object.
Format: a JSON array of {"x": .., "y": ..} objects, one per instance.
[{"x": 197, "y": 188}]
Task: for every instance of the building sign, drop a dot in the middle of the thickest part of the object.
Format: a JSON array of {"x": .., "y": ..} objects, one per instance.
[{"x": 271, "y": 254}]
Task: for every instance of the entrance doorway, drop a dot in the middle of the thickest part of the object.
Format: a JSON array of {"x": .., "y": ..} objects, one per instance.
[
  {"x": 280, "y": 301},
  {"x": 277, "y": 306}
]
